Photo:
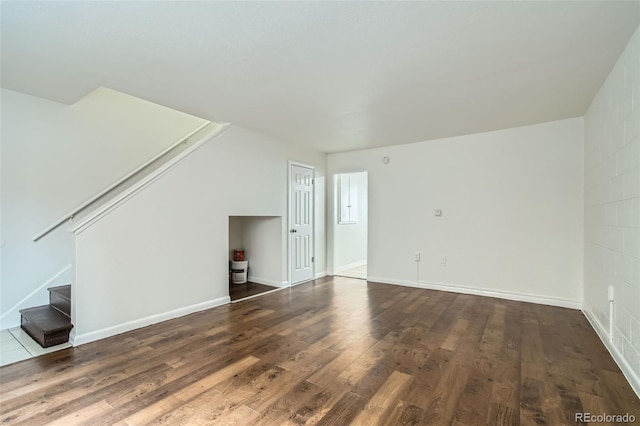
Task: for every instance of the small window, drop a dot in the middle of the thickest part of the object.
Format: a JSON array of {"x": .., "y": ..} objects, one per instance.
[{"x": 347, "y": 200}]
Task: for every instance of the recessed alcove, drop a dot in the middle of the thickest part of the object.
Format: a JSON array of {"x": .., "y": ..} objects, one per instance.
[{"x": 261, "y": 239}]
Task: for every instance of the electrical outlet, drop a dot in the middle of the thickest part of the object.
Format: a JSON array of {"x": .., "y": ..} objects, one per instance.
[
  {"x": 443, "y": 260},
  {"x": 417, "y": 256}
]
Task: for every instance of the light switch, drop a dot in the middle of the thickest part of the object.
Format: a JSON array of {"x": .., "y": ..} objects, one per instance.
[{"x": 438, "y": 212}]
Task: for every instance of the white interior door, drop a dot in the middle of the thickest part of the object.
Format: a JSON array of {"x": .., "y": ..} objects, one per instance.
[{"x": 301, "y": 223}]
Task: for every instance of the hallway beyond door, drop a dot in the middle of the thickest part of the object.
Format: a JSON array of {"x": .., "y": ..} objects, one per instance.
[{"x": 359, "y": 272}]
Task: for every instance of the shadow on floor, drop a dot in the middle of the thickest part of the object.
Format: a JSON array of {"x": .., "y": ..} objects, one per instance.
[{"x": 240, "y": 291}]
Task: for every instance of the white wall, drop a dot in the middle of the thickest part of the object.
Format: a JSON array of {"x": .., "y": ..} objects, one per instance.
[
  {"x": 236, "y": 234},
  {"x": 612, "y": 211},
  {"x": 350, "y": 240},
  {"x": 55, "y": 157},
  {"x": 26, "y": 265},
  {"x": 512, "y": 212},
  {"x": 168, "y": 245}
]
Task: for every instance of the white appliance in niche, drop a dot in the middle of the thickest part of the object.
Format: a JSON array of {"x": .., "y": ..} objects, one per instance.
[{"x": 239, "y": 271}]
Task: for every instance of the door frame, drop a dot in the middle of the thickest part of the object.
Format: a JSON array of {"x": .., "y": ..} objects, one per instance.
[
  {"x": 332, "y": 218},
  {"x": 290, "y": 224}
]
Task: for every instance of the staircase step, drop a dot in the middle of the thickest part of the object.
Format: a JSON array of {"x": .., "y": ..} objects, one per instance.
[
  {"x": 60, "y": 298},
  {"x": 62, "y": 290},
  {"x": 46, "y": 325}
]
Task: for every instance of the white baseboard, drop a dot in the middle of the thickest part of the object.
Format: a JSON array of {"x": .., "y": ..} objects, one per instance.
[
  {"x": 264, "y": 281},
  {"x": 350, "y": 266},
  {"x": 321, "y": 274},
  {"x": 302, "y": 282},
  {"x": 92, "y": 336},
  {"x": 626, "y": 369},
  {"x": 520, "y": 297},
  {"x": 393, "y": 281}
]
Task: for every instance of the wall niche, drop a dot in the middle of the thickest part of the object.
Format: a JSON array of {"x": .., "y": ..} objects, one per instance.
[{"x": 261, "y": 239}]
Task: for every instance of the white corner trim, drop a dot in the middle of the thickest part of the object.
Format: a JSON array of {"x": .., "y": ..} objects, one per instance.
[
  {"x": 103, "y": 333},
  {"x": 626, "y": 369},
  {"x": 157, "y": 174},
  {"x": 321, "y": 274},
  {"x": 519, "y": 297},
  {"x": 33, "y": 293}
]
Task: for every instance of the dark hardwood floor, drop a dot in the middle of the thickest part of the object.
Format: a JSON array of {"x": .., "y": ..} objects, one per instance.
[
  {"x": 240, "y": 291},
  {"x": 331, "y": 352}
]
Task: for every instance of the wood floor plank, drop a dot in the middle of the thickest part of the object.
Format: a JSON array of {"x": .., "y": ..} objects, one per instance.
[
  {"x": 271, "y": 390},
  {"x": 337, "y": 366},
  {"x": 533, "y": 364},
  {"x": 442, "y": 403},
  {"x": 89, "y": 394},
  {"x": 280, "y": 411},
  {"x": 384, "y": 400},
  {"x": 307, "y": 362},
  {"x": 422, "y": 390},
  {"x": 332, "y": 351},
  {"x": 358, "y": 368},
  {"x": 316, "y": 407},
  {"x": 34, "y": 383},
  {"x": 500, "y": 415},
  {"x": 99, "y": 408},
  {"x": 405, "y": 414},
  {"x": 475, "y": 400},
  {"x": 532, "y": 407},
  {"x": 455, "y": 334},
  {"x": 593, "y": 404},
  {"x": 241, "y": 416},
  {"x": 185, "y": 394},
  {"x": 344, "y": 411},
  {"x": 201, "y": 411},
  {"x": 22, "y": 408},
  {"x": 504, "y": 373}
]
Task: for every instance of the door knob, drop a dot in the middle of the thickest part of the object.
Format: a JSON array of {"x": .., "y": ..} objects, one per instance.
[{"x": 293, "y": 230}]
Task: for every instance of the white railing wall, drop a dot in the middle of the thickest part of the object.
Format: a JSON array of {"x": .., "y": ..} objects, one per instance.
[
  {"x": 202, "y": 136},
  {"x": 100, "y": 195}
]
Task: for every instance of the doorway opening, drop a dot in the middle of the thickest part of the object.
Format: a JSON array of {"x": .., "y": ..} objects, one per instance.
[{"x": 351, "y": 225}]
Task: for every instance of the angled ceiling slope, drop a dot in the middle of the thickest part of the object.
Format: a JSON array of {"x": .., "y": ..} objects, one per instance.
[{"x": 336, "y": 75}]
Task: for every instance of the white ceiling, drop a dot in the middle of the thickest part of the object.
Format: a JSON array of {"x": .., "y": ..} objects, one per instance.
[{"x": 336, "y": 75}]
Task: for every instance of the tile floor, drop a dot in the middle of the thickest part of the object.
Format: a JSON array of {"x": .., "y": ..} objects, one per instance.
[
  {"x": 16, "y": 345},
  {"x": 357, "y": 272}
]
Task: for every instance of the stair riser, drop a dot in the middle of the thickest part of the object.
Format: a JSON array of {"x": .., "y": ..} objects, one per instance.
[
  {"x": 44, "y": 339},
  {"x": 60, "y": 303},
  {"x": 49, "y": 325}
]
